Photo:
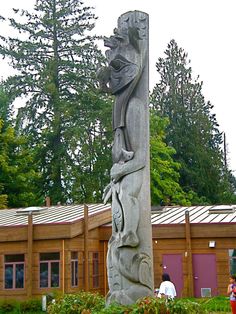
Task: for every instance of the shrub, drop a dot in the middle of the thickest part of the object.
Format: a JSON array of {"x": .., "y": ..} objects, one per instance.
[
  {"x": 8, "y": 306},
  {"x": 185, "y": 306},
  {"x": 216, "y": 304},
  {"x": 88, "y": 303},
  {"x": 33, "y": 306},
  {"x": 77, "y": 304}
]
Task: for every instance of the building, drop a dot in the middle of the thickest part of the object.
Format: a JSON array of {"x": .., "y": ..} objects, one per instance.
[
  {"x": 45, "y": 250},
  {"x": 63, "y": 248}
]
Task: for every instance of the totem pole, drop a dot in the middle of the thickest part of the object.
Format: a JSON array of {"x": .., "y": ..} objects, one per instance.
[{"x": 129, "y": 258}]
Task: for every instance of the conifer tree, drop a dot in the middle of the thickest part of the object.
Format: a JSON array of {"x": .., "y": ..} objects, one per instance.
[
  {"x": 193, "y": 130},
  {"x": 56, "y": 59}
]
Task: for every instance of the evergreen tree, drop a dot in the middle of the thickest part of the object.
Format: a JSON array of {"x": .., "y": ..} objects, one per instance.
[
  {"x": 193, "y": 129},
  {"x": 56, "y": 60}
]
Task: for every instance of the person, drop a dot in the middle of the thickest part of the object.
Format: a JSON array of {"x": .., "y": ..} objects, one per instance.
[
  {"x": 167, "y": 288},
  {"x": 156, "y": 291},
  {"x": 232, "y": 293}
]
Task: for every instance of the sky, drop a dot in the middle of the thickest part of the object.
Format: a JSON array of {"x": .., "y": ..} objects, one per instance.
[{"x": 205, "y": 29}]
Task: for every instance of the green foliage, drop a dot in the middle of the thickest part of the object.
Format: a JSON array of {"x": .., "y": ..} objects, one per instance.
[
  {"x": 18, "y": 172},
  {"x": 193, "y": 130},
  {"x": 165, "y": 188},
  {"x": 88, "y": 303},
  {"x": 17, "y": 307},
  {"x": 216, "y": 304},
  {"x": 8, "y": 306},
  {"x": 182, "y": 306},
  {"x": 76, "y": 303},
  {"x": 32, "y": 306},
  {"x": 56, "y": 61}
]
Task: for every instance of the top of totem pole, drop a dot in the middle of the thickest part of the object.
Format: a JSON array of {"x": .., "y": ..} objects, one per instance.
[{"x": 135, "y": 19}]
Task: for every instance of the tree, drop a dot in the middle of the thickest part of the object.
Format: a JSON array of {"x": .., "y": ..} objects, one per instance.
[
  {"x": 19, "y": 176},
  {"x": 193, "y": 129},
  {"x": 56, "y": 60},
  {"x": 165, "y": 188}
]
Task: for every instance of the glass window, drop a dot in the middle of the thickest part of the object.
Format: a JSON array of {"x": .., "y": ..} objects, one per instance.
[
  {"x": 95, "y": 270},
  {"x": 49, "y": 256},
  {"x": 49, "y": 270},
  {"x": 74, "y": 269},
  {"x": 19, "y": 273},
  {"x": 232, "y": 261},
  {"x": 9, "y": 276},
  {"x": 43, "y": 275},
  {"x": 54, "y": 274},
  {"x": 14, "y": 268},
  {"x": 14, "y": 258}
]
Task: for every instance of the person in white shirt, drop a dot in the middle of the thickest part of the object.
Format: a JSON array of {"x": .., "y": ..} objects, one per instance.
[{"x": 167, "y": 288}]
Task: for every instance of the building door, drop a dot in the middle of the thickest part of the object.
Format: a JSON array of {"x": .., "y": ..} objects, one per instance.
[
  {"x": 204, "y": 275},
  {"x": 172, "y": 265}
]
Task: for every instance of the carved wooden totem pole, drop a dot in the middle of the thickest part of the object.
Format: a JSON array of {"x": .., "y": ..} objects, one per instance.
[{"x": 129, "y": 259}]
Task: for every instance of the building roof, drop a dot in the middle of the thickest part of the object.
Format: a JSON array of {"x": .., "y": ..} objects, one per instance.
[
  {"x": 197, "y": 214},
  {"x": 160, "y": 216},
  {"x": 50, "y": 215}
]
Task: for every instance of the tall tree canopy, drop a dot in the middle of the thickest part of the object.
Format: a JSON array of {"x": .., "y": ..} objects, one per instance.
[
  {"x": 56, "y": 60},
  {"x": 193, "y": 129}
]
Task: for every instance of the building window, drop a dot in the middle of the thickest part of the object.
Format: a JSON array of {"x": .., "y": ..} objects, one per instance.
[
  {"x": 74, "y": 269},
  {"x": 14, "y": 271},
  {"x": 232, "y": 261},
  {"x": 49, "y": 270},
  {"x": 95, "y": 275}
]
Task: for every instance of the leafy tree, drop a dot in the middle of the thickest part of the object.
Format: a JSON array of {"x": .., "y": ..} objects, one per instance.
[
  {"x": 19, "y": 176},
  {"x": 193, "y": 129},
  {"x": 165, "y": 188},
  {"x": 56, "y": 60}
]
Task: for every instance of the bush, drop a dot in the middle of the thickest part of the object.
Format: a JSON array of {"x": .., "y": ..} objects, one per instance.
[
  {"x": 77, "y": 304},
  {"x": 88, "y": 303},
  {"x": 8, "y": 306},
  {"x": 16, "y": 307},
  {"x": 216, "y": 304},
  {"x": 33, "y": 306},
  {"x": 185, "y": 306}
]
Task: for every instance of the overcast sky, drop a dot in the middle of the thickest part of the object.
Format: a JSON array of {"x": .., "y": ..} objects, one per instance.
[{"x": 205, "y": 29}]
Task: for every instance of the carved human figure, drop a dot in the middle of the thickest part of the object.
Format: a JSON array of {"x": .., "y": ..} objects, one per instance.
[{"x": 129, "y": 262}]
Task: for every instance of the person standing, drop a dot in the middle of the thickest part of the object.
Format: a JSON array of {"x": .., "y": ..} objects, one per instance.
[
  {"x": 232, "y": 292},
  {"x": 167, "y": 288}
]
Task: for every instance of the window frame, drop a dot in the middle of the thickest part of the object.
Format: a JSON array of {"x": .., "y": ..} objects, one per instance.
[
  {"x": 74, "y": 270},
  {"x": 49, "y": 263},
  {"x": 232, "y": 258},
  {"x": 14, "y": 264}
]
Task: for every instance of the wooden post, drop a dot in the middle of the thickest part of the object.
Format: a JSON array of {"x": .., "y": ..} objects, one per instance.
[
  {"x": 188, "y": 255},
  {"x": 105, "y": 266},
  {"x": 48, "y": 201},
  {"x": 63, "y": 266},
  {"x": 86, "y": 257},
  {"x": 30, "y": 253}
]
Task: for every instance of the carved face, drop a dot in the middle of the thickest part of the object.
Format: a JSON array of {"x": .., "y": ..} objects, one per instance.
[{"x": 122, "y": 73}]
